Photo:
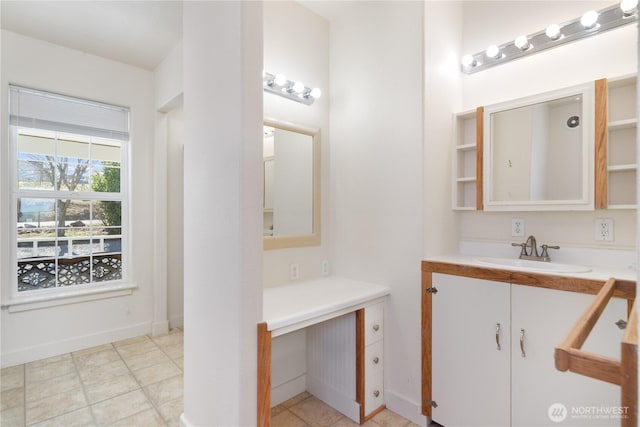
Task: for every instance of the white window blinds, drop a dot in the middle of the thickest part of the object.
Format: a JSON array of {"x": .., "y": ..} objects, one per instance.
[{"x": 48, "y": 111}]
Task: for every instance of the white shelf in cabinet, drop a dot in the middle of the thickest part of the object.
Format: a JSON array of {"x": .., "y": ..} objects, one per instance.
[
  {"x": 622, "y": 168},
  {"x": 466, "y": 179},
  {"x": 466, "y": 147},
  {"x": 623, "y": 124}
]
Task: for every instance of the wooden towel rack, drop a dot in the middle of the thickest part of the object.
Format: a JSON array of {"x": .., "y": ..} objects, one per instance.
[{"x": 623, "y": 372}]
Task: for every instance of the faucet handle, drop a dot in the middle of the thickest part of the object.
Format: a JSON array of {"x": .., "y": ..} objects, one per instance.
[
  {"x": 545, "y": 252},
  {"x": 523, "y": 247}
]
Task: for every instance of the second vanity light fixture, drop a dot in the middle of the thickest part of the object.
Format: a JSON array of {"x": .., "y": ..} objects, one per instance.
[
  {"x": 592, "y": 22},
  {"x": 296, "y": 91}
]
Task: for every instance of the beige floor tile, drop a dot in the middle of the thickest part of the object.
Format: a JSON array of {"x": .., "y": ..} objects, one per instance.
[
  {"x": 169, "y": 339},
  {"x": 54, "y": 405},
  {"x": 48, "y": 360},
  {"x": 347, "y": 422},
  {"x": 39, "y": 372},
  {"x": 133, "y": 340},
  {"x": 142, "y": 347},
  {"x": 12, "y": 377},
  {"x": 111, "y": 387},
  {"x": 148, "y": 418},
  {"x": 38, "y": 390},
  {"x": 287, "y": 419},
  {"x": 13, "y": 417},
  {"x": 89, "y": 350},
  {"x": 315, "y": 412},
  {"x": 139, "y": 361},
  {"x": 78, "y": 418},
  {"x": 99, "y": 374},
  {"x": 12, "y": 398},
  {"x": 171, "y": 411},
  {"x": 387, "y": 418},
  {"x": 96, "y": 358},
  {"x": 277, "y": 409},
  {"x": 174, "y": 351},
  {"x": 180, "y": 362},
  {"x": 296, "y": 399},
  {"x": 166, "y": 390},
  {"x": 155, "y": 373},
  {"x": 120, "y": 407}
]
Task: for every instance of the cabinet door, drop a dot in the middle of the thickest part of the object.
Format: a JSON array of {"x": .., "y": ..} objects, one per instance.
[
  {"x": 546, "y": 316},
  {"x": 470, "y": 375}
]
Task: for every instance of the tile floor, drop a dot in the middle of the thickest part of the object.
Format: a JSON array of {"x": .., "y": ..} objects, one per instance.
[{"x": 135, "y": 383}]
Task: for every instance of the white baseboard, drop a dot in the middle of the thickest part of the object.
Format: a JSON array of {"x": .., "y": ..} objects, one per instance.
[
  {"x": 55, "y": 348},
  {"x": 176, "y": 321},
  {"x": 334, "y": 398},
  {"x": 160, "y": 328},
  {"x": 287, "y": 390},
  {"x": 405, "y": 407}
]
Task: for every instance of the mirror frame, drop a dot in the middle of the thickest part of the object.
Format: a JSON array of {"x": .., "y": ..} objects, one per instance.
[
  {"x": 313, "y": 239},
  {"x": 586, "y": 201}
]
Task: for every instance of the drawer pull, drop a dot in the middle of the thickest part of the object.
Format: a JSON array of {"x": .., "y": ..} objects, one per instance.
[
  {"x": 376, "y": 327},
  {"x": 376, "y": 360},
  {"x": 376, "y": 393}
]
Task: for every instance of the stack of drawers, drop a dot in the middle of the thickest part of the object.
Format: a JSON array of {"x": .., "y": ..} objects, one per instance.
[{"x": 373, "y": 358}]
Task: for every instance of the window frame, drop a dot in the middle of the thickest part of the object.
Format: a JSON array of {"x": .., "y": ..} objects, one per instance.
[{"x": 16, "y": 300}]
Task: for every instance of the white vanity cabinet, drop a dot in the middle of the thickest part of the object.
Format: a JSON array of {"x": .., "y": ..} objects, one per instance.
[
  {"x": 493, "y": 354},
  {"x": 373, "y": 358}
]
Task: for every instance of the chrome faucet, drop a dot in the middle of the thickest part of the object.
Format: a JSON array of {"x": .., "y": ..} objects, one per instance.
[{"x": 529, "y": 250}]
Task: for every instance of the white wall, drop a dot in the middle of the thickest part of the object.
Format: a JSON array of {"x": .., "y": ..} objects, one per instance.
[
  {"x": 376, "y": 172},
  {"x": 296, "y": 44},
  {"x": 64, "y": 328},
  {"x": 610, "y": 54}
]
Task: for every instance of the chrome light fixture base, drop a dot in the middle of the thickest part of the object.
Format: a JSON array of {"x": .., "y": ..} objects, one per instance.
[{"x": 295, "y": 91}]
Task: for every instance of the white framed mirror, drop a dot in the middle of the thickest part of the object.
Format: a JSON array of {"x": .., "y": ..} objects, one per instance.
[
  {"x": 539, "y": 152},
  {"x": 291, "y": 196}
]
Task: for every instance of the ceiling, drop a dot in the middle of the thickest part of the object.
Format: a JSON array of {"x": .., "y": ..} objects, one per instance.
[{"x": 140, "y": 33}]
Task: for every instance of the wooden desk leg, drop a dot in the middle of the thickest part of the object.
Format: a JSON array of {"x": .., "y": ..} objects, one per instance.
[
  {"x": 360, "y": 362},
  {"x": 264, "y": 376}
]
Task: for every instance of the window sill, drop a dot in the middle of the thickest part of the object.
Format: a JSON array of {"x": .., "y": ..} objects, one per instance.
[{"x": 35, "y": 302}]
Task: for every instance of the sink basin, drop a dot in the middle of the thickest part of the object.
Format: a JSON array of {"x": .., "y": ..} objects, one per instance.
[{"x": 529, "y": 265}]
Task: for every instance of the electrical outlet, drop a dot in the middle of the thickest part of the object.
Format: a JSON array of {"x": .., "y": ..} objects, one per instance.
[
  {"x": 293, "y": 271},
  {"x": 517, "y": 227},
  {"x": 604, "y": 230},
  {"x": 325, "y": 267}
]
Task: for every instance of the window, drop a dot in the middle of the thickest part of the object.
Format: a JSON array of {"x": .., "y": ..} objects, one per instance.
[{"x": 69, "y": 198}]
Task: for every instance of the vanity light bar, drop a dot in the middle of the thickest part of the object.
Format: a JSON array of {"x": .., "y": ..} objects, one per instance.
[
  {"x": 589, "y": 24},
  {"x": 296, "y": 91}
]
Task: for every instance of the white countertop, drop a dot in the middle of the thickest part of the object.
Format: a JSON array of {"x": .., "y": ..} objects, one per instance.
[
  {"x": 596, "y": 273},
  {"x": 290, "y": 307}
]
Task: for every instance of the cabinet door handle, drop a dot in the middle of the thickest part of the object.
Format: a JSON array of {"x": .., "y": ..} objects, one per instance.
[
  {"x": 498, "y": 335},
  {"x": 376, "y": 327},
  {"x": 522, "y": 343}
]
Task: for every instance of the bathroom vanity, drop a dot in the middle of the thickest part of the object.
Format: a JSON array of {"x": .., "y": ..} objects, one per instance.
[
  {"x": 345, "y": 321},
  {"x": 489, "y": 334}
]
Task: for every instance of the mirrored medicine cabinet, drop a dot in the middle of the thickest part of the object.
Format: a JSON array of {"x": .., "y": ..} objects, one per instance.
[
  {"x": 557, "y": 151},
  {"x": 291, "y": 193}
]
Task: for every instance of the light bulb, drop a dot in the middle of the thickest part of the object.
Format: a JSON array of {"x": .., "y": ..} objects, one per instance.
[
  {"x": 628, "y": 7},
  {"x": 553, "y": 31},
  {"x": 468, "y": 61},
  {"x": 589, "y": 19},
  {"x": 522, "y": 42},
  {"x": 280, "y": 79},
  {"x": 298, "y": 87},
  {"x": 493, "y": 51},
  {"x": 315, "y": 93}
]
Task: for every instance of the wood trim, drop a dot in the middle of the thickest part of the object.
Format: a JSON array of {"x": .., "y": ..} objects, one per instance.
[
  {"x": 629, "y": 371},
  {"x": 373, "y": 414},
  {"x": 479, "y": 158},
  {"x": 264, "y": 376},
  {"x": 624, "y": 288},
  {"x": 360, "y": 362},
  {"x": 594, "y": 366},
  {"x": 600, "y": 141},
  {"x": 426, "y": 343}
]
